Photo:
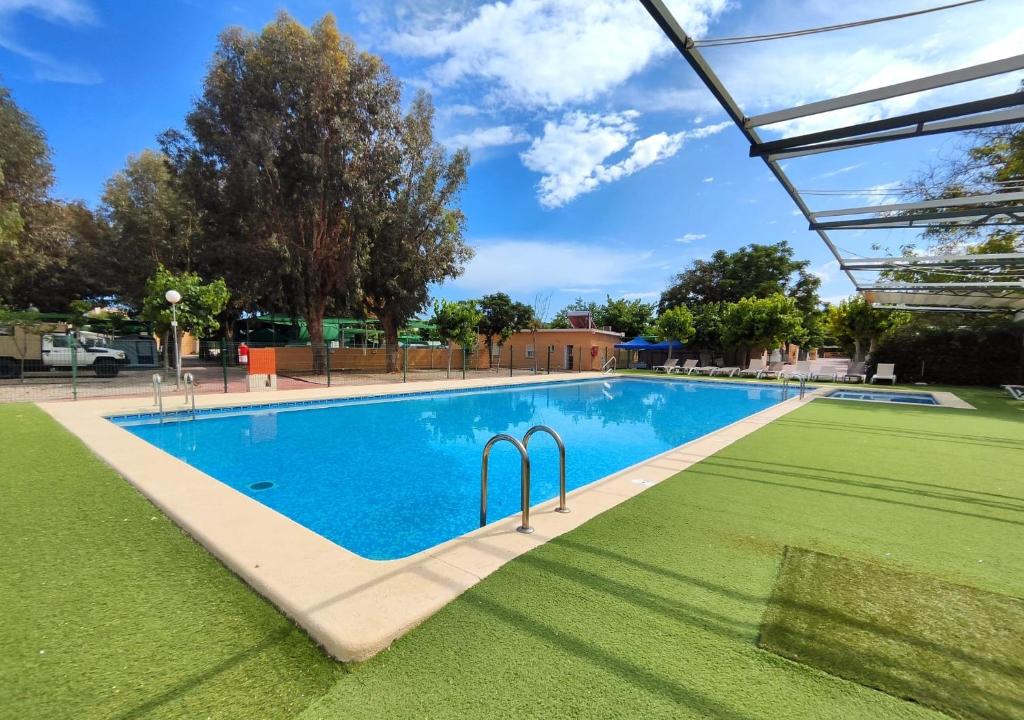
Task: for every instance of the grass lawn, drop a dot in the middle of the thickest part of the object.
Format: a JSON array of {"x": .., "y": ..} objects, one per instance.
[{"x": 651, "y": 610}]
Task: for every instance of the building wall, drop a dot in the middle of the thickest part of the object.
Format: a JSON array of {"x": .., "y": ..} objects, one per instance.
[{"x": 590, "y": 349}]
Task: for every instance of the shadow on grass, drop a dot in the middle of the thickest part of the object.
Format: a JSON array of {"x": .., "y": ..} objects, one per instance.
[
  {"x": 701, "y": 470},
  {"x": 836, "y": 477},
  {"x": 630, "y": 592},
  {"x": 207, "y": 675},
  {"x": 1003, "y": 443},
  {"x": 630, "y": 672}
]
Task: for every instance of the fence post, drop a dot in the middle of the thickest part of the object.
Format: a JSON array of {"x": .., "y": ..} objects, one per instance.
[
  {"x": 74, "y": 364},
  {"x": 224, "y": 361},
  {"x": 464, "y": 351},
  {"x": 510, "y": 360},
  {"x": 405, "y": 364},
  {"x": 549, "y": 360},
  {"x": 579, "y": 365},
  {"x": 449, "y": 377},
  {"x": 327, "y": 353}
]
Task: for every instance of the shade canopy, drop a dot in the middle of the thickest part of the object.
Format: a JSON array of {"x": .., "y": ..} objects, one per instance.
[
  {"x": 637, "y": 343},
  {"x": 665, "y": 345}
]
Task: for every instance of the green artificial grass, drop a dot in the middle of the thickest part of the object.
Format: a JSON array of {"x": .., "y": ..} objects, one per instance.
[
  {"x": 651, "y": 610},
  {"x": 951, "y": 647},
  {"x": 108, "y": 611}
]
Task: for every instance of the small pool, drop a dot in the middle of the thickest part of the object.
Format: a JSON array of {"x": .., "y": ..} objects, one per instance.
[
  {"x": 907, "y": 398},
  {"x": 386, "y": 477}
]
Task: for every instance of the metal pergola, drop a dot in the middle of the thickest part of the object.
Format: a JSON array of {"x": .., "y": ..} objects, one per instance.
[{"x": 991, "y": 282}]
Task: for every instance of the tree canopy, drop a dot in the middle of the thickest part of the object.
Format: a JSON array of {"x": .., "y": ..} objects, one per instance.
[
  {"x": 675, "y": 324},
  {"x": 756, "y": 323},
  {"x": 502, "y": 316},
  {"x": 754, "y": 270},
  {"x": 859, "y": 326},
  {"x": 198, "y": 309}
]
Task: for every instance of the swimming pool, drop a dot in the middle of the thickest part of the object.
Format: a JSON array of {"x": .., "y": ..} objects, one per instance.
[
  {"x": 387, "y": 477},
  {"x": 908, "y": 398}
]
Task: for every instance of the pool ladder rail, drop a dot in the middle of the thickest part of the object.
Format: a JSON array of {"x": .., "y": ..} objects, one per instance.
[
  {"x": 158, "y": 393},
  {"x": 785, "y": 385},
  {"x": 524, "y": 473},
  {"x": 610, "y": 366}
]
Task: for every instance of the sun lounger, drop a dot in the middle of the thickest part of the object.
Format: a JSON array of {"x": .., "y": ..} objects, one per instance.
[
  {"x": 687, "y": 367},
  {"x": 1016, "y": 390},
  {"x": 821, "y": 371},
  {"x": 668, "y": 367},
  {"x": 885, "y": 371},
  {"x": 755, "y": 368},
  {"x": 801, "y": 369},
  {"x": 854, "y": 371},
  {"x": 730, "y": 371},
  {"x": 774, "y": 370}
]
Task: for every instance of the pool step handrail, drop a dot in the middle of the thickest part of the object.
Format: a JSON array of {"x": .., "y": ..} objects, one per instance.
[
  {"x": 524, "y": 480},
  {"x": 158, "y": 394},
  {"x": 190, "y": 391},
  {"x": 561, "y": 460},
  {"x": 610, "y": 366}
]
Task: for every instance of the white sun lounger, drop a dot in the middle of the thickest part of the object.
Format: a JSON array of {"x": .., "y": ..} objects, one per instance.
[
  {"x": 668, "y": 367},
  {"x": 885, "y": 371},
  {"x": 801, "y": 369},
  {"x": 1017, "y": 391},
  {"x": 774, "y": 370},
  {"x": 822, "y": 371},
  {"x": 755, "y": 368},
  {"x": 729, "y": 371},
  {"x": 687, "y": 366}
]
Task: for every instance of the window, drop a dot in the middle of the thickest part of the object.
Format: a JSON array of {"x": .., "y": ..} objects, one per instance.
[{"x": 529, "y": 351}]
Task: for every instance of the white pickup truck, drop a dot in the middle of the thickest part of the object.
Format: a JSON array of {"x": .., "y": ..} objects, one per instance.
[{"x": 31, "y": 350}]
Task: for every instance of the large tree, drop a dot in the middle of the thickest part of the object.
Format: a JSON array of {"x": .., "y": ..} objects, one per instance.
[
  {"x": 629, "y": 317},
  {"x": 502, "y": 316},
  {"x": 859, "y": 327},
  {"x": 758, "y": 323},
  {"x": 290, "y": 118},
  {"x": 153, "y": 224},
  {"x": 675, "y": 325},
  {"x": 457, "y": 322},
  {"x": 414, "y": 229},
  {"x": 754, "y": 270}
]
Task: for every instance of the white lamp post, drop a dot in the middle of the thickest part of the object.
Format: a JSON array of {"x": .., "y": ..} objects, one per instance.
[{"x": 174, "y": 297}]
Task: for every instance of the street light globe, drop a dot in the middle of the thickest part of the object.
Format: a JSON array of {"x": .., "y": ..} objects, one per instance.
[{"x": 173, "y": 297}]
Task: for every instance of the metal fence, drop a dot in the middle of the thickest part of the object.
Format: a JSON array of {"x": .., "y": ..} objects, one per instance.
[{"x": 219, "y": 366}]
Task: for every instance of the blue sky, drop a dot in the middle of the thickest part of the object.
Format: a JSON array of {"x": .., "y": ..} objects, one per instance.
[{"x": 600, "y": 164}]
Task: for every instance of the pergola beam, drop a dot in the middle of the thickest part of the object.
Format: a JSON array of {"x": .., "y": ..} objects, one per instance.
[
  {"x": 953, "y": 77},
  {"x": 922, "y": 204},
  {"x": 970, "y": 286},
  {"x": 902, "y": 263},
  {"x": 934, "y": 308},
  {"x": 920, "y": 120},
  {"x": 1014, "y": 215},
  {"x": 937, "y": 127}
]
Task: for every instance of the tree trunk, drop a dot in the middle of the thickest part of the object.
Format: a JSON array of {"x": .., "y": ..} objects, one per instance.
[
  {"x": 315, "y": 328},
  {"x": 390, "y": 326},
  {"x": 872, "y": 346}
]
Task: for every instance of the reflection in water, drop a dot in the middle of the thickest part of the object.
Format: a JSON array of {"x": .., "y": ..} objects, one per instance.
[{"x": 389, "y": 477}]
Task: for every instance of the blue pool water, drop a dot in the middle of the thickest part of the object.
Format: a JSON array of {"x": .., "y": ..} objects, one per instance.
[
  {"x": 908, "y": 398},
  {"x": 388, "y": 477}
]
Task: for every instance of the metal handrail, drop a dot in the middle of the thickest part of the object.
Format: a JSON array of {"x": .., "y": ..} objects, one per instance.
[
  {"x": 158, "y": 394},
  {"x": 609, "y": 365},
  {"x": 190, "y": 391},
  {"x": 561, "y": 460},
  {"x": 524, "y": 480}
]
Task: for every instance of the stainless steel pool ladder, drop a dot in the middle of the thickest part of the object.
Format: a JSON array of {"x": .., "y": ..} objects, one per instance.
[
  {"x": 190, "y": 391},
  {"x": 785, "y": 386},
  {"x": 524, "y": 473},
  {"x": 609, "y": 366},
  {"x": 158, "y": 394}
]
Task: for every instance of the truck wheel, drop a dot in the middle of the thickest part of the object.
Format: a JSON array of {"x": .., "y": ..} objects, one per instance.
[
  {"x": 106, "y": 368},
  {"x": 9, "y": 368}
]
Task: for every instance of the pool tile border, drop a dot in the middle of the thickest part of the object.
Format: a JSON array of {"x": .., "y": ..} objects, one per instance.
[{"x": 352, "y": 606}]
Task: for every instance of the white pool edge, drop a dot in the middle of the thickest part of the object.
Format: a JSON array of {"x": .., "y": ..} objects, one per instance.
[{"x": 352, "y": 606}]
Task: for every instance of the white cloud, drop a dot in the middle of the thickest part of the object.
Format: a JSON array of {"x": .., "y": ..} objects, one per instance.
[
  {"x": 546, "y": 53},
  {"x": 45, "y": 66},
  {"x": 642, "y": 295},
  {"x": 839, "y": 171},
  {"x": 826, "y": 271},
  {"x": 71, "y": 12},
  {"x": 480, "y": 138},
  {"x": 881, "y": 194},
  {"x": 571, "y": 153},
  {"x": 526, "y": 266},
  {"x": 691, "y": 237},
  {"x": 709, "y": 179}
]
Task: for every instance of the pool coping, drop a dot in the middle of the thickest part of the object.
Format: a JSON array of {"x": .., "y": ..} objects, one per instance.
[{"x": 356, "y": 607}]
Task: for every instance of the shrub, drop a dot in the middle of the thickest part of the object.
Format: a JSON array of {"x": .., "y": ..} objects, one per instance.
[{"x": 955, "y": 352}]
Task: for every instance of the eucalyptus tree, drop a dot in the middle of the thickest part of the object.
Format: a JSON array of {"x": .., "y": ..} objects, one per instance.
[
  {"x": 412, "y": 224},
  {"x": 289, "y": 119}
]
